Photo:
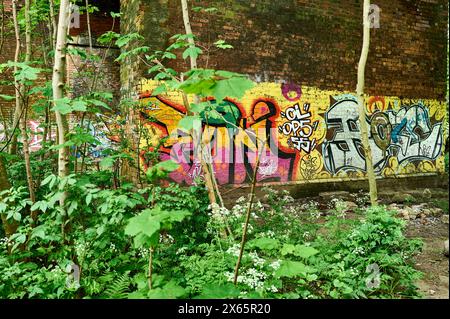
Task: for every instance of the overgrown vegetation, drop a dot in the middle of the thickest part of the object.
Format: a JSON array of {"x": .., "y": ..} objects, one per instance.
[
  {"x": 194, "y": 247},
  {"x": 82, "y": 226}
]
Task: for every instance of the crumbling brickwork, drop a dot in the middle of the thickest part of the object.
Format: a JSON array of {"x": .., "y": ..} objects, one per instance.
[{"x": 315, "y": 42}]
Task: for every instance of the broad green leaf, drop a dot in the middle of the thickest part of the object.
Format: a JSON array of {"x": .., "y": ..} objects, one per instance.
[
  {"x": 169, "y": 55},
  {"x": 21, "y": 238},
  {"x": 39, "y": 232},
  {"x": 7, "y": 97},
  {"x": 63, "y": 106},
  {"x": 291, "y": 268},
  {"x": 287, "y": 249},
  {"x": 159, "y": 90},
  {"x": 305, "y": 251},
  {"x": 221, "y": 44},
  {"x": 88, "y": 199},
  {"x": 168, "y": 166},
  {"x": 144, "y": 223},
  {"x": 79, "y": 106},
  {"x": 188, "y": 122},
  {"x": 192, "y": 52},
  {"x": 264, "y": 243},
  {"x": 232, "y": 88},
  {"x": 199, "y": 107},
  {"x": 170, "y": 291},
  {"x": 124, "y": 40}
]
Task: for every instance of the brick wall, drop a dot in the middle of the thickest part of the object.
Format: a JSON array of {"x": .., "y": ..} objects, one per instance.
[
  {"x": 317, "y": 42},
  {"x": 304, "y": 55}
]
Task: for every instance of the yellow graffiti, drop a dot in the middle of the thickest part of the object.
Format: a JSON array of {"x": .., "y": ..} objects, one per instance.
[{"x": 162, "y": 114}]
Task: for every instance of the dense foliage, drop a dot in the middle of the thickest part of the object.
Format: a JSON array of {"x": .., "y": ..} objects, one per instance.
[{"x": 108, "y": 233}]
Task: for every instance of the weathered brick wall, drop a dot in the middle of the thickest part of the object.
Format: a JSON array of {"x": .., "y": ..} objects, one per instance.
[
  {"x": 317, "y": 42},
  {"x": 102, "y": 67},
  {"x": 7, "y": 48},
  {"x": 305, "y": 55}
]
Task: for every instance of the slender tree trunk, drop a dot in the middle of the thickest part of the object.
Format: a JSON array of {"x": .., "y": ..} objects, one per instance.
[
  {"x": 248, "y": 214},
  {"x": 88, "y": 21},
  {"x": 18, "y": 108},
  {"x": 58, "y": 86},
  {"x": 54, "y": 27},
  {"x": 23, "y": 121},
  {"x": 362, "y": 107},
  {"x": 187, "y": 27},
  {"x": 208, "y": 174}
]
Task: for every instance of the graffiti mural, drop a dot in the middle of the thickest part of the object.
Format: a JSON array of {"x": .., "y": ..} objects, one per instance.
[
  {"x": 305, "y": 134},
  {"x": 35, "y": 133},
  {"x": 406, "y": 134},
  {"x": 299, "y": 128},
  {"x": 233, "y": 142}
]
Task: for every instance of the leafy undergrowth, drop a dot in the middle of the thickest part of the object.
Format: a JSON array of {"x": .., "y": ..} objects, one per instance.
[{"x": 102, "y": 243}]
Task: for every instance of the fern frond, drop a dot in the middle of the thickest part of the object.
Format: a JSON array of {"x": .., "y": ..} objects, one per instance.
[{"x": 119, "y": 287}]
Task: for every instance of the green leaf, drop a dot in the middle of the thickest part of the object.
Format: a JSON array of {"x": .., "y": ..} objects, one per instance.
[
  {"x": 168, "y": 166},
  {"x": 287, "y": 249},
  {"x": 62, "y": 106},
  {"x": 305, "y": 251},
  {"x": 48, "y": 179},
  {"x": 21, "y": 238},
  {"x": 233, "y": 88},
  {"x": 124, "y": 40},
  {"x": 192, "y": 52},
  {"x": 221, "y": 44},
  {"x": 7, "y": 97},
  {"x": 88, "y": 199},
  {"x": 199, "y": 107},
  {"x": 107, "y": 162},
  {"x": 159, "y": 90},
  {"x": 79, "y": 106},
  {"x": 17, "y": 216},
  {"x": 39, "y": 232},
  {"x": 338, "y": 283},
  {"x": 144, "y": 223},
  {"x": 170, "y": 291},
  {"x": 291, "y": 269},
  {"x": 188, "y": 122},
  {"x": 264, "y": 243},
  {"x": 169, "y": 55},
  {"x": 161, "y": 170}
]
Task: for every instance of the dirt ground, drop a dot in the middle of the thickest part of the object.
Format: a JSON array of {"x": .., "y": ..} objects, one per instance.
[{"x": 432, "y": 262}]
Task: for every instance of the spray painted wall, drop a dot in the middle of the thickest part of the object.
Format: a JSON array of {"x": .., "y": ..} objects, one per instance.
[{"x": 310, "y": 135}]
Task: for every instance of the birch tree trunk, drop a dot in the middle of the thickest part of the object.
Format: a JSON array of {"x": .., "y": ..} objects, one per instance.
[
  {"x": 18, "y": 108},
  {"x": 52, "y": 25},
  {"x": 23, "y": 121},
  {"x": 362, "y": 108},
  {"x": 58, "y": 86},
  {"x": 207, "y": 172}
]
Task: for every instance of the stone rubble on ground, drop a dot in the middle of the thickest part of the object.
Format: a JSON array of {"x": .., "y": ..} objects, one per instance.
[
  {"x": 327, "y": 196},
  {"x": 421, "y": 211},
  {"x": 446, "y": 248}
]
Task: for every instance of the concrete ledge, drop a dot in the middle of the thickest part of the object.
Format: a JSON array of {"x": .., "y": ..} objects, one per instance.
[{"x": 312, "y": 189}]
